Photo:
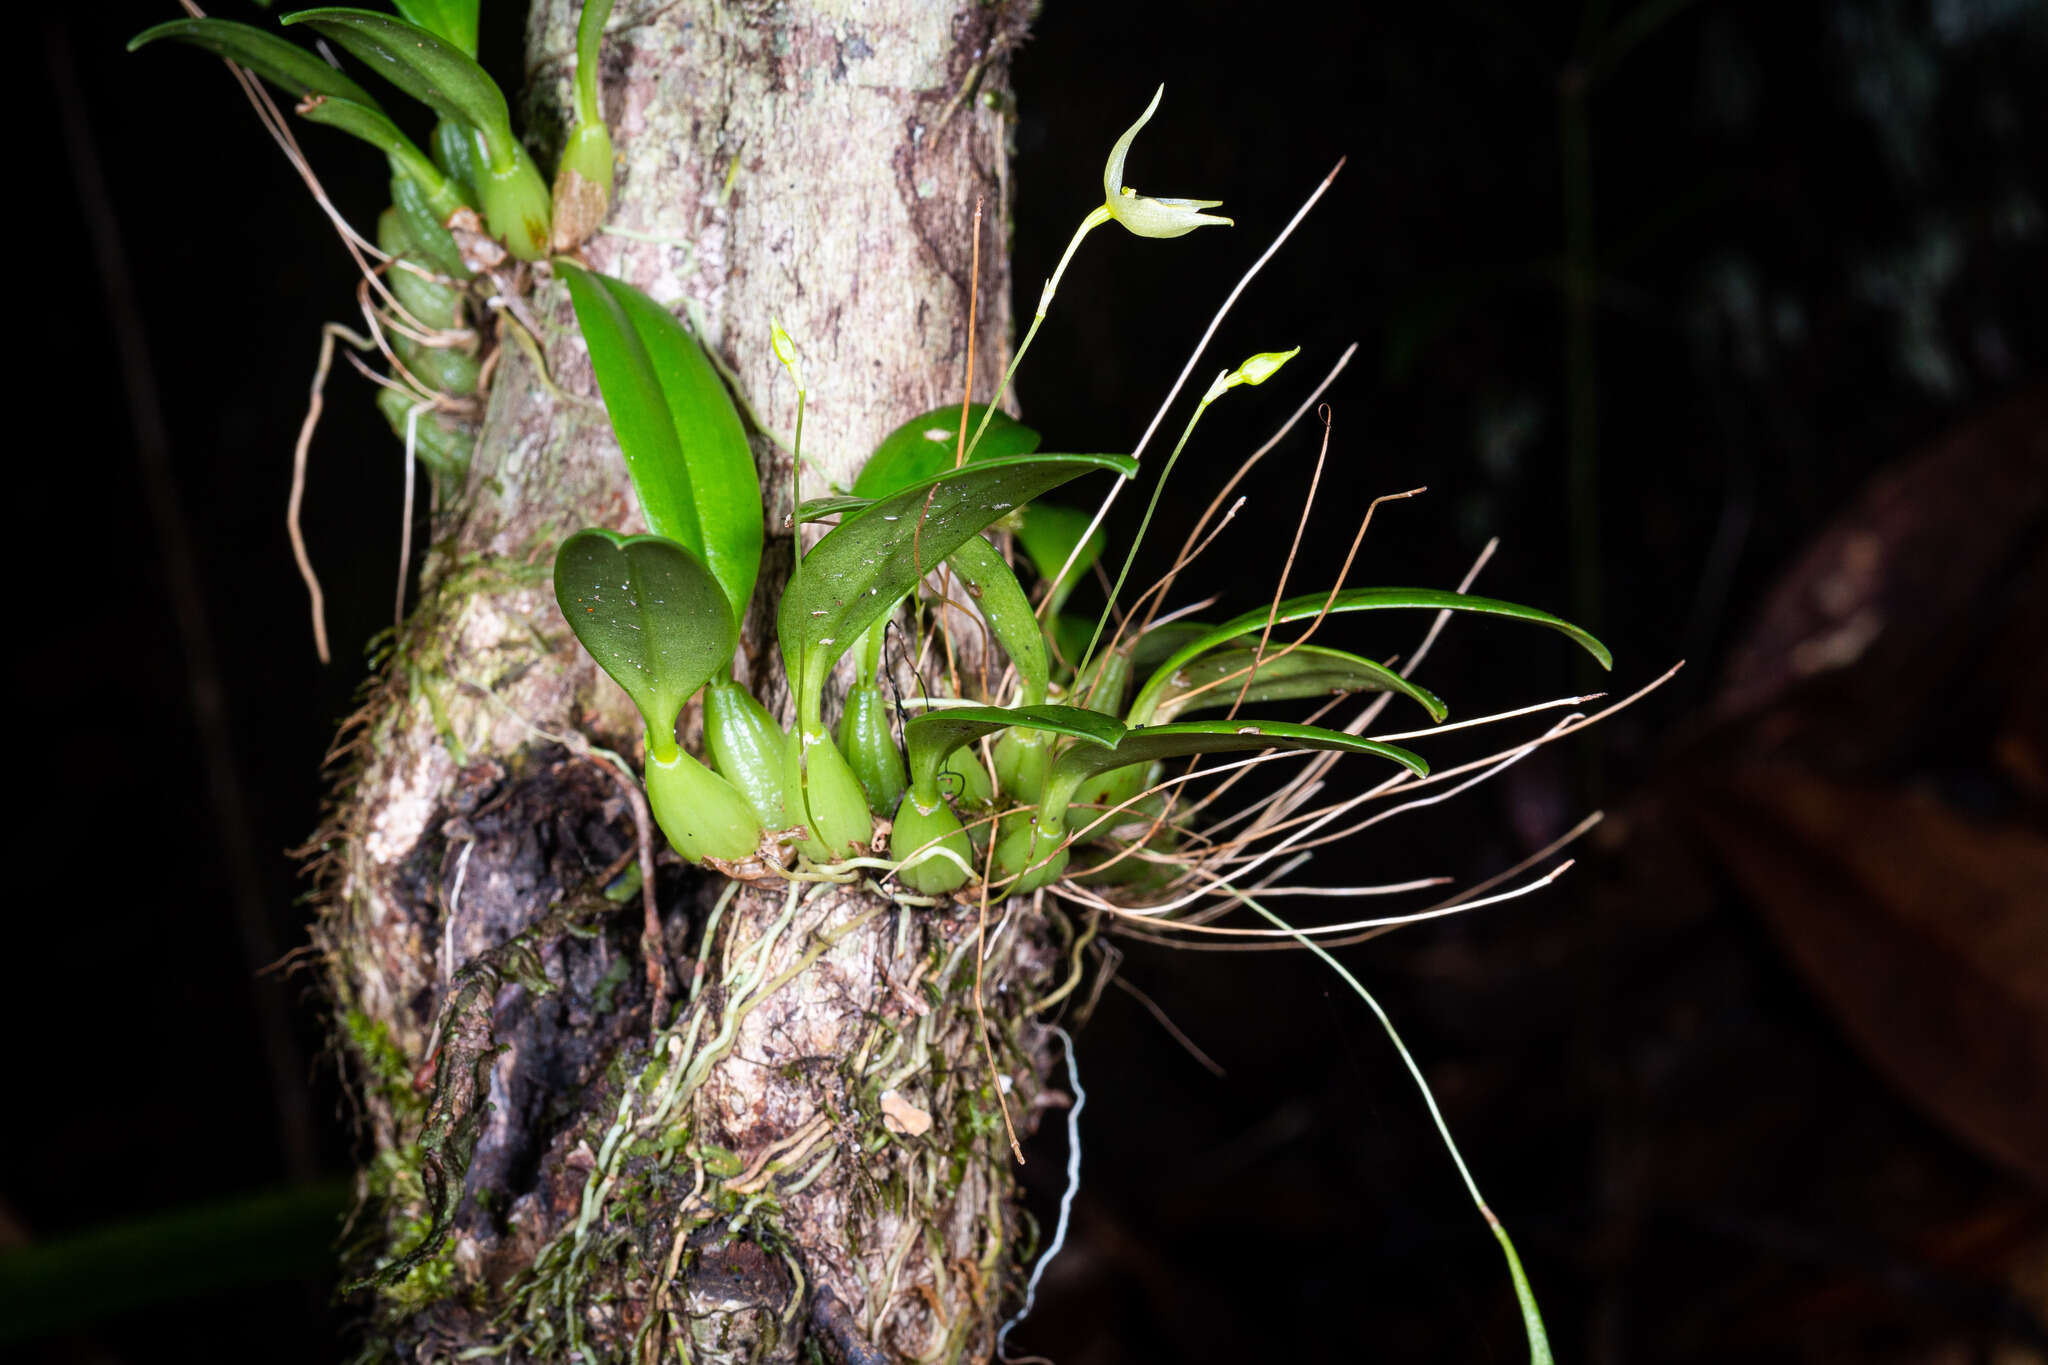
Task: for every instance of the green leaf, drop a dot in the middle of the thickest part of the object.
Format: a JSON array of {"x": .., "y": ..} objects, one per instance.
[
  {"x": 287, "y": 66},
  {"x": 1356, "y": 599},
  {"x": 1306, "y": 671},
  {"x": 1048, "y": 533},
  {"x": 429, "y": 68},
  {"x": 677, "y": 427},
  {"x": 452, "y": 20},
  {"x": 1155, "y": 743},
  {"x": 931, "y": 738},
  {"x": 817, "y": 509},
  {"x": 372, "y": 125},
  {"x": 862, "y": 567},
  {"x": 1007, "y": 610},
  {"x": 651, "y": 615},
  {"x": 927, "y": 445}
]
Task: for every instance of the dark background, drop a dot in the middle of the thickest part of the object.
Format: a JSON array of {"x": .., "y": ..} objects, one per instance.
[{"x": 1763, "y": 1078}]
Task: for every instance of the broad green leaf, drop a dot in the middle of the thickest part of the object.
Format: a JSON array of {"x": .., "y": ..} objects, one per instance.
[
  {"x": 287, "y": 66},
  {"x": 677, "y": 427},
  {"x": 927, "y": 445},
  {"x": 1007, "y": 610},
  {"x": 931, "y": 738},
  {"x": 1306, "y": 671},
  {"x": 1155, "y": 743},
  {"x": 453, "y": 20},
  {"x": 1048, "y": 533},
  {"x": 870, "y": 560},
  {"x": 429, "y": 68},
  {"x": 651, "y": 615},
  {"x": 1357, "y": 599}
]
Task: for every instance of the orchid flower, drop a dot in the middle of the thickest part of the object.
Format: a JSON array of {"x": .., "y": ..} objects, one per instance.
[{"x": 1141, "y": 213}]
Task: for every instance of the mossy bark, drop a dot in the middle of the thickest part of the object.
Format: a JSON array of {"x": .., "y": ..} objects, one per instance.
[{"x": 622, "y": 1173}]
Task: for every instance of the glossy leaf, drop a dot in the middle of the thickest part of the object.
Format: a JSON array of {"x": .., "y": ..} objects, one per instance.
[
  {"x": 1357, "y": 599},
  {"x": 651, "y": 615},
  {"x": 929, "y": 443},
  {"x": 996, "y": 591},
  {"x": 1306, "y": 671},
  {"x": 677, "y": 428},
  {"x": 1156, "y": 743},
  {"x": 429, "y": 68},
  {"x": 1048, "y": 533},
  {"x": 932, "y": 737},
  {"x": 453, "y": 20},
  {"x": 817, "y": 509},
  {"x": 374, "y": 126},
  {"x": 856, "y": 574},
  {"x": 285, "y": 65}
]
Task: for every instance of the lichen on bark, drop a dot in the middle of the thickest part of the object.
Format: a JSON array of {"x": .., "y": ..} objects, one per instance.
[{"x": 713, "y": 1169}]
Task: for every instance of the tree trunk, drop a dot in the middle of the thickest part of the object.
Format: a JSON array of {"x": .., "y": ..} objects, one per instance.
[{"x": 625, "y": 1172}]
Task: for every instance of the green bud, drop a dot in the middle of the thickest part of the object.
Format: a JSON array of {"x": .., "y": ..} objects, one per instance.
[
  {"x": 424, "y": 227},
  {"x": 965, "y": 780},
  {"x": 583, "y": 185},
  {"x": 514, "y": 199},
  {"x": 1254, "y": 371},
  {"x": 1103, "y": 687},
  {"x": 918, "y": 828},
  {"x": 1142, "y": 214},
  {"x": 1029, "y": 851},
  {"x": 454, "y": 149},
  {"x": 785, "y": 350},
  {"x": 825, "y": 797},
  {"x": 870, "y": 748},
  {"x": 441, "y": 444},
  {"x": 748, "y": 747},
  {"x": 699, "y": 811},
  {"x": 1022, "y": 757}
]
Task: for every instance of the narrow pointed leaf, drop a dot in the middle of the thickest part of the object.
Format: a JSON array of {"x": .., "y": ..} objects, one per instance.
[
  {"x": 1360, "y": 599},
  {"x": 651, "y": 615},
  {"x": 453, "y": 20},
  {"x": 995, "y": 589},
  {"x": 931, "y": 738},
  {"x": 929, "y": 443},
  {"x": 817, "y": 509},
  {"x": 1308, "y": 671},
  {"x": 871, "y": 559},
  {"x": 372, "y": 125},
  {"x": 1156, "y": 743},
  {"x": 286, "y": 65},
  {"x": 429, "y": 68},
  {"x": 677, "y": 428}
]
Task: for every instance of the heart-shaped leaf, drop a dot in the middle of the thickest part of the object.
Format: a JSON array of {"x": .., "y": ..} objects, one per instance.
[
  {"x": 429, "y": 68},
  {"x": 1048, "y": 533},
  {"x": 1155, "y": 743},
  {"x": 871, "y": 559},
  {"x": 453, "y": 20},
  {"x": 677, "y": 427},
  {"x": 1215, "y": 678},
  {"x": 929, "y": 443},
  {"x": 1007, "y": 610},
  {"x": 651, "y": 615},
  {"x": 287, "y": 66},
  {"x": 1353, "y": 599},
  {"x": 931, "y": 738}
]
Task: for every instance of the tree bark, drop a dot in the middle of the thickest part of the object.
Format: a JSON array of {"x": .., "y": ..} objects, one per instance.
[{"x": 713, "y": 1153}]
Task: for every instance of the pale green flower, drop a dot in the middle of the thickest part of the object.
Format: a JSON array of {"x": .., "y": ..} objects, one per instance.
[{"x": 1141, "y": 213}]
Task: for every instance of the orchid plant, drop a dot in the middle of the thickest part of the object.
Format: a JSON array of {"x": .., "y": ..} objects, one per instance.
[{"x": 1049, "y": 778}]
